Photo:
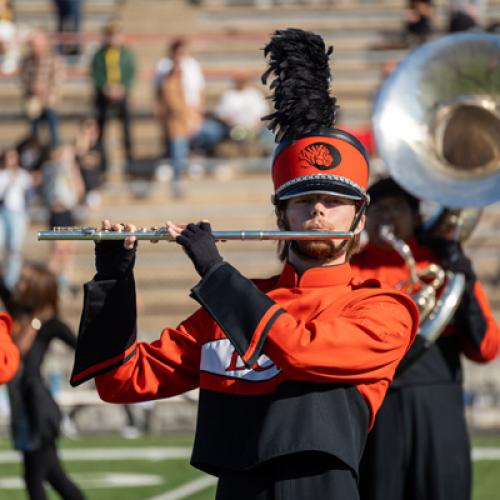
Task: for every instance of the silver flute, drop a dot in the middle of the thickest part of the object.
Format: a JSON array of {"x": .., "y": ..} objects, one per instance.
[{"x": 95, "y": 234}]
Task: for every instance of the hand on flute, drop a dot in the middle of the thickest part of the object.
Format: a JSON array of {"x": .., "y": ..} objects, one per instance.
[
  {"x": 115, "y": 259},
  {"x": 198, "y": 242}
]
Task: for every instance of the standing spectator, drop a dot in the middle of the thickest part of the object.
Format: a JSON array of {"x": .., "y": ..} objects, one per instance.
[
  {"x": 62, "y": 189},
  {"x": 41, "y": 75},
  {"x": 193, "y": 81},
  {"x": 36, "y": 418},
  {"x": 180, "y": 121},
  {"x": 191, "y": 78},
  {"x": 68, "y": 21},
  {"x": 113, "y": 72},
  {"x": 15, "y": 184},
  {"x": 92, "y": 160}
]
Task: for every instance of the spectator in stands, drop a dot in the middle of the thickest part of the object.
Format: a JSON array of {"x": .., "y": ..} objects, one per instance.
[
  {"x": 465, "y": 15},
  {"x": 15, "y": 186},
  {"x": 181, "y": 120},
  {"x": 68, "y": 21},
  {"x": 237, "y": 116},
  {"x": 192, "y": 82},
  {"x": 62, "y": 189},
  {"x": 35, "y": 416},
  {"x": 41, "y": 75},
  {"x": 419, "y": 21},
  {"x": 9, "y": 353},
  {"x": 92, "y": 160},
  {"x": 31, "y": 153},
  {"x": 113, "y": 73},
  {"x": 9, "y": 49}
]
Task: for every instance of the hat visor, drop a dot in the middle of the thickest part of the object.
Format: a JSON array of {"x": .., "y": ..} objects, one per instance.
[{"x": 320, "y": 186}]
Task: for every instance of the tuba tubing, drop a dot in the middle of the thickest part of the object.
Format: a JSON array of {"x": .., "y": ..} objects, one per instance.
[{"x": 445, "y": 307}]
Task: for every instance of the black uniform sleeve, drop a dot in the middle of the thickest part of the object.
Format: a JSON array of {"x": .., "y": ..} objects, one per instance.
[
  {"x": 107, "y": 332},
  {"x": 244, "y": 313}
]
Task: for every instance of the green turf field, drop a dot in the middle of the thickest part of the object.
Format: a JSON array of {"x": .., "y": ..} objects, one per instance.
[{"x": 130, "y": 476}]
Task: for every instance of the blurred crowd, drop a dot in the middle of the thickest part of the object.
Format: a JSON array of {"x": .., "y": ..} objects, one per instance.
[{"x": 65, "y": 175}]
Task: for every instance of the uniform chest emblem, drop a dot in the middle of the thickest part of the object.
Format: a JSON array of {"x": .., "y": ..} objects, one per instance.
[{"x": 220, "y": 358}]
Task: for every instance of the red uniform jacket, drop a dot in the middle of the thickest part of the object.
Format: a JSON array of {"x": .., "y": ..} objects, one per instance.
[
  {"x": 478, "y": 340},
  {"x": 9, "y": 354},
  {"x": 285, "y": 366}
]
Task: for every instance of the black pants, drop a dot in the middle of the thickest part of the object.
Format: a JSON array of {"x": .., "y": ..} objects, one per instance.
[
  {"x": 43, "y": 465},
  {"x": 419, "y": 447},
  {"x": 302, "y": 476},
  {"x": 106, "y": 108}
]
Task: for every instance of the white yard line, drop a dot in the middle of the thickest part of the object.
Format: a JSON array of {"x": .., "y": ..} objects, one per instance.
[
  {"x": 154, "y": 453},
  {"x": 116, "y": 454},
  {"x": 187, "y": 489},
  {"x": 486, "y": 454}
]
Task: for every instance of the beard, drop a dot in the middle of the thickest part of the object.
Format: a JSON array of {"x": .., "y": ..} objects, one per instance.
[{"x": 317, "y": 250}]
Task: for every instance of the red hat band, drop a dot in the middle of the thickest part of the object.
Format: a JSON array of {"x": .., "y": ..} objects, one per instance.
[{"x": 333, "y": 163}]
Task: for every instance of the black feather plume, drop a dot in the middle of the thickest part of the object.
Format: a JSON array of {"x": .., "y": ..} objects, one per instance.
[{"x": 303, "y": 105}]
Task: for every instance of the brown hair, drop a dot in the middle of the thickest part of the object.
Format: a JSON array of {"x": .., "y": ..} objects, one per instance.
[{"x": 40, "y": 289}]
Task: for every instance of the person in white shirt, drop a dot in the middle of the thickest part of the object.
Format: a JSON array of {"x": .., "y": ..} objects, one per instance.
[
  {"x": 15, "y": 184},
  {"x": 193, "y": 80},
  {"x": 237, "y": 116},
  {"x": 243, "y": 105}
]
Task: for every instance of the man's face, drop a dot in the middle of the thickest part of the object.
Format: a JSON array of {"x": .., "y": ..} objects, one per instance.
[
  {"x": 394, "y": 211},
  {"x": 319, "y": 212}
]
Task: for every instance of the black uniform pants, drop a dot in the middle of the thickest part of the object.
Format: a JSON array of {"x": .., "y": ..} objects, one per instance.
[
  {"x": 302, "y": 476},
  {"x": 106, "y": 108},
  {"x": 43, "y": 465},
  {"x": 419, "y": 447}
]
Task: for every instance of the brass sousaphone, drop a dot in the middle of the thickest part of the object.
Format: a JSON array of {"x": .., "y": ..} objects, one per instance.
[{"x": 436, "y": 122}]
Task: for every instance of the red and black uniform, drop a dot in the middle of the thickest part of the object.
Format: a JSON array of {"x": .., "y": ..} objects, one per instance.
[
  {"x": 421, "y": 425},
  {"x": 9, "y": 353},
  {"x": 285, "y": 366}
]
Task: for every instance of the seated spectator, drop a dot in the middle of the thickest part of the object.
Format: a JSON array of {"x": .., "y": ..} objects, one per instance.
[
  {"x": 15, "y": 184},
  {"x": 465, "y": 15},
  {"x": 91, "y": 159},
  {"x": 237, "y": 116},
  {"x": 32, "y": 153}
]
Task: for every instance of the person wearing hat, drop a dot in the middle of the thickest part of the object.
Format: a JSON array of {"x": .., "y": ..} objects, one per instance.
[
  {"x": 291, "y": 369},
  {"x": 421, "y": 424}
]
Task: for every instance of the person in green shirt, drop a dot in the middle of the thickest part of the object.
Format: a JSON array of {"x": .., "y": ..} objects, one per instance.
[{"x": 113, "y": 72}]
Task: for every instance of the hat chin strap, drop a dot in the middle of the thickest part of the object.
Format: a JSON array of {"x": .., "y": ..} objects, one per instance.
[{"x": 355, "y": 221}]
